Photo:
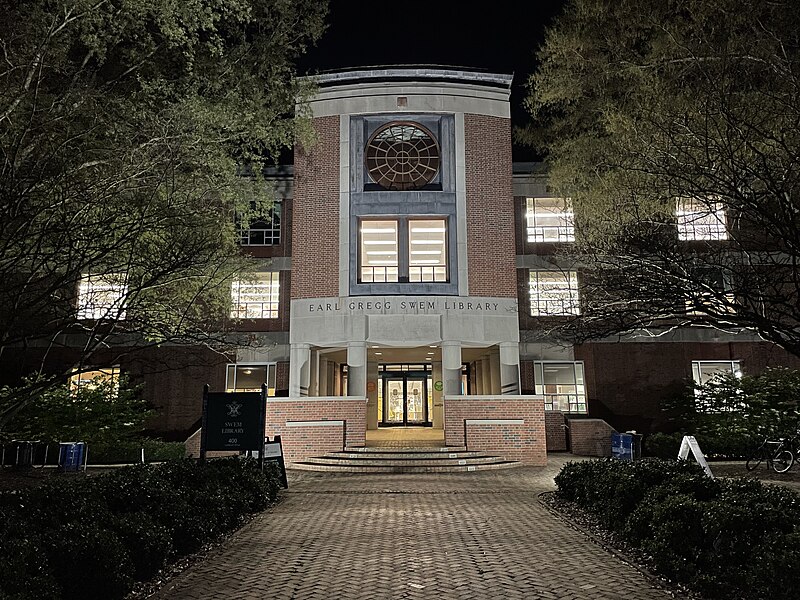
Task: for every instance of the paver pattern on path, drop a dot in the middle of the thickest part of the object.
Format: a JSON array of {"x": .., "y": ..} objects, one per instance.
[{"x": 461, "y": 536}]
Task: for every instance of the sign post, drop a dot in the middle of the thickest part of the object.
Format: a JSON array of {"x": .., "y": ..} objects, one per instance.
[
  {"x": 274, "y": 451},
  {"x": 690, "y": 443}
]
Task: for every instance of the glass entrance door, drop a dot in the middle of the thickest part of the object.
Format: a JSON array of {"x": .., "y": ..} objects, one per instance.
[{"x": 405, "y": 400}]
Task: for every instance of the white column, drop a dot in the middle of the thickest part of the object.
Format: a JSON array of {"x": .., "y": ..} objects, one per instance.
[
  {"x": 357, "y": 369},
  {"x": 451, "y": 368},
  {"x": 299, "y": 369},
  {"x": 509, "y": 368}
]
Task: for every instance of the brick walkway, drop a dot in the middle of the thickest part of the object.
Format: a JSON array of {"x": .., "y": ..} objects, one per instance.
[{"x": 461, "y": 536}]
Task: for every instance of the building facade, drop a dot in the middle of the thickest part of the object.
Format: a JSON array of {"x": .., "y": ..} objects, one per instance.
[{"x": 409, "y": 278}]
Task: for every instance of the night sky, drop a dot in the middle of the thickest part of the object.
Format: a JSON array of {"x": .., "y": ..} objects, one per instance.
[{"x": 499, "y": 36}]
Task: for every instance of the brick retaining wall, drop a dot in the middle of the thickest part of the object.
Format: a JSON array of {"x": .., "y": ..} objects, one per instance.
[
  {"x": 513, "y": 426},
  {"x": 310, "y": 426},
  {"x": 555, "y": 431},
  {"x": 590, "y": 437}
]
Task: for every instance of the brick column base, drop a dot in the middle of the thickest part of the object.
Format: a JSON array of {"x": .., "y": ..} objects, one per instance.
[{"x": 511, "y": 425}]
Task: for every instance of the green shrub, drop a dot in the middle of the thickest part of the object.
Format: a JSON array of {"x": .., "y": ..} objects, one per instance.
[
  {"x": 89, "y": 561},
  {"x": 720, "y": 537},
  {"x": 93, "y": 537}
]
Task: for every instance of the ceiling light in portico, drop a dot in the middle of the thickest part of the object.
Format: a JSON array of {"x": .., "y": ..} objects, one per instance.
[
  {"x": 431, "y": 353},
  {"x": 428, "y": 358}
]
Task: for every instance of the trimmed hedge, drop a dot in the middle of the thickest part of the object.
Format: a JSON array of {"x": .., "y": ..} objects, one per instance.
[
  {"x": 731, "y": 539},
  {"x": 94, "y": 537}
]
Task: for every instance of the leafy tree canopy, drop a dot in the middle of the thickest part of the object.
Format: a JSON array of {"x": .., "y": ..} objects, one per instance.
[
  {"x": 131, "y": 132},
  {"x": 642, "y": 106},
  {"x": 102, "y": 411}
]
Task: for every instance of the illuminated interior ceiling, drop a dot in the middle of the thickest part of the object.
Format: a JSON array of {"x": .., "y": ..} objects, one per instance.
[
  {"x": 402, "y": 156},
  {"x": 418, "y": 355}
]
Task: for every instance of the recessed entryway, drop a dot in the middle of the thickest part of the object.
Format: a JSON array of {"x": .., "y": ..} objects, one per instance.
[{"x": 405, "y": 437}]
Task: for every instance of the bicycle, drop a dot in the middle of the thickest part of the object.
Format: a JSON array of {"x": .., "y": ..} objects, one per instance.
[{"x": 777, "y": 454}]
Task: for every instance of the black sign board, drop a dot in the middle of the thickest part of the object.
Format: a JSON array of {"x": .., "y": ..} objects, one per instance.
[
  {"x": 274, "y": 451},
  {"x": 233, "y": 421}
]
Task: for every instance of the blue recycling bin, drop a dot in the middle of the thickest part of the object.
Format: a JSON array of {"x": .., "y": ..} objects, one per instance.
[
  {"x": 70, "y": 456},
  {"x": 626, "y": 446}
]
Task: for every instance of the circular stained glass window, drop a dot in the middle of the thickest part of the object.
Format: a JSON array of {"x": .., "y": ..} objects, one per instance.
[{"x": 402, "y": 156}]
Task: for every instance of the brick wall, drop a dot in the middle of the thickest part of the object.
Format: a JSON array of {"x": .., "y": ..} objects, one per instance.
[
  {"x": 627, "y": 382},
  {"x": 282, "y": 378},
  {"x": 300, "y": 442},
  {"x": 172, "y": 380},
  {"x": 590, "y": 437},
  {"x": 490, "y": 206},
  {"x": 555, "y": 431},
  {"x": 524, "y": 441},
  {"x": 315, "y": 214}
]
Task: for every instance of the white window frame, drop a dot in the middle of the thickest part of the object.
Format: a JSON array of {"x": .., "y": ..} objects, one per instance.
[
  {"x": 547, "y": 299},
  {"x": 700, "y": 220},
  {"x": 735, "y": 368},
  {"x": 271, "y": 375},
  {"x": 538, "y": 232},
  {"x": 576, "y": 402},
  {"x": 409, "y": 264},
  {"x": 102, "y": 296},
  {"x": 378, "y": 270},
  {"x": 271, "y": 234},
  {"x": 248, "y": 303}
]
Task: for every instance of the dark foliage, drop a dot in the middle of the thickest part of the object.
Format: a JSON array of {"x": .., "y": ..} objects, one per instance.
[
  {"x": 94, "y": 537},
  {"x": 731, "y": 539}
]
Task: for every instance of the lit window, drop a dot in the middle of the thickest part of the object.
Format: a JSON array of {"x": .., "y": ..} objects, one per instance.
[
  {"x": 427, "y": 254},
  {"x": 379, "y": 252},
  {"x": 256, "y": 297},
  {"x": 90, "y": 380},
  {"x": 249, "y": 378},
  {"x": 700, "y": 220},
  {"x": 263, "y": 231},
  {"x": 550, "y": 220},
  {"x": 102, "y": 296},
  {"x": 704, "y": 371},
  {"x": 561, "y": 384},
  {"x": 554, "y": 293}
]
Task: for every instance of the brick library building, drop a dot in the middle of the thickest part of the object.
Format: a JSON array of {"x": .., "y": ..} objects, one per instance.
[{"x": 408, "y": 282}]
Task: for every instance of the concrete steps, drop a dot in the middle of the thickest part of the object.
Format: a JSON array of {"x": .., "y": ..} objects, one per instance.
[{"x": 404, "y": 460}]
